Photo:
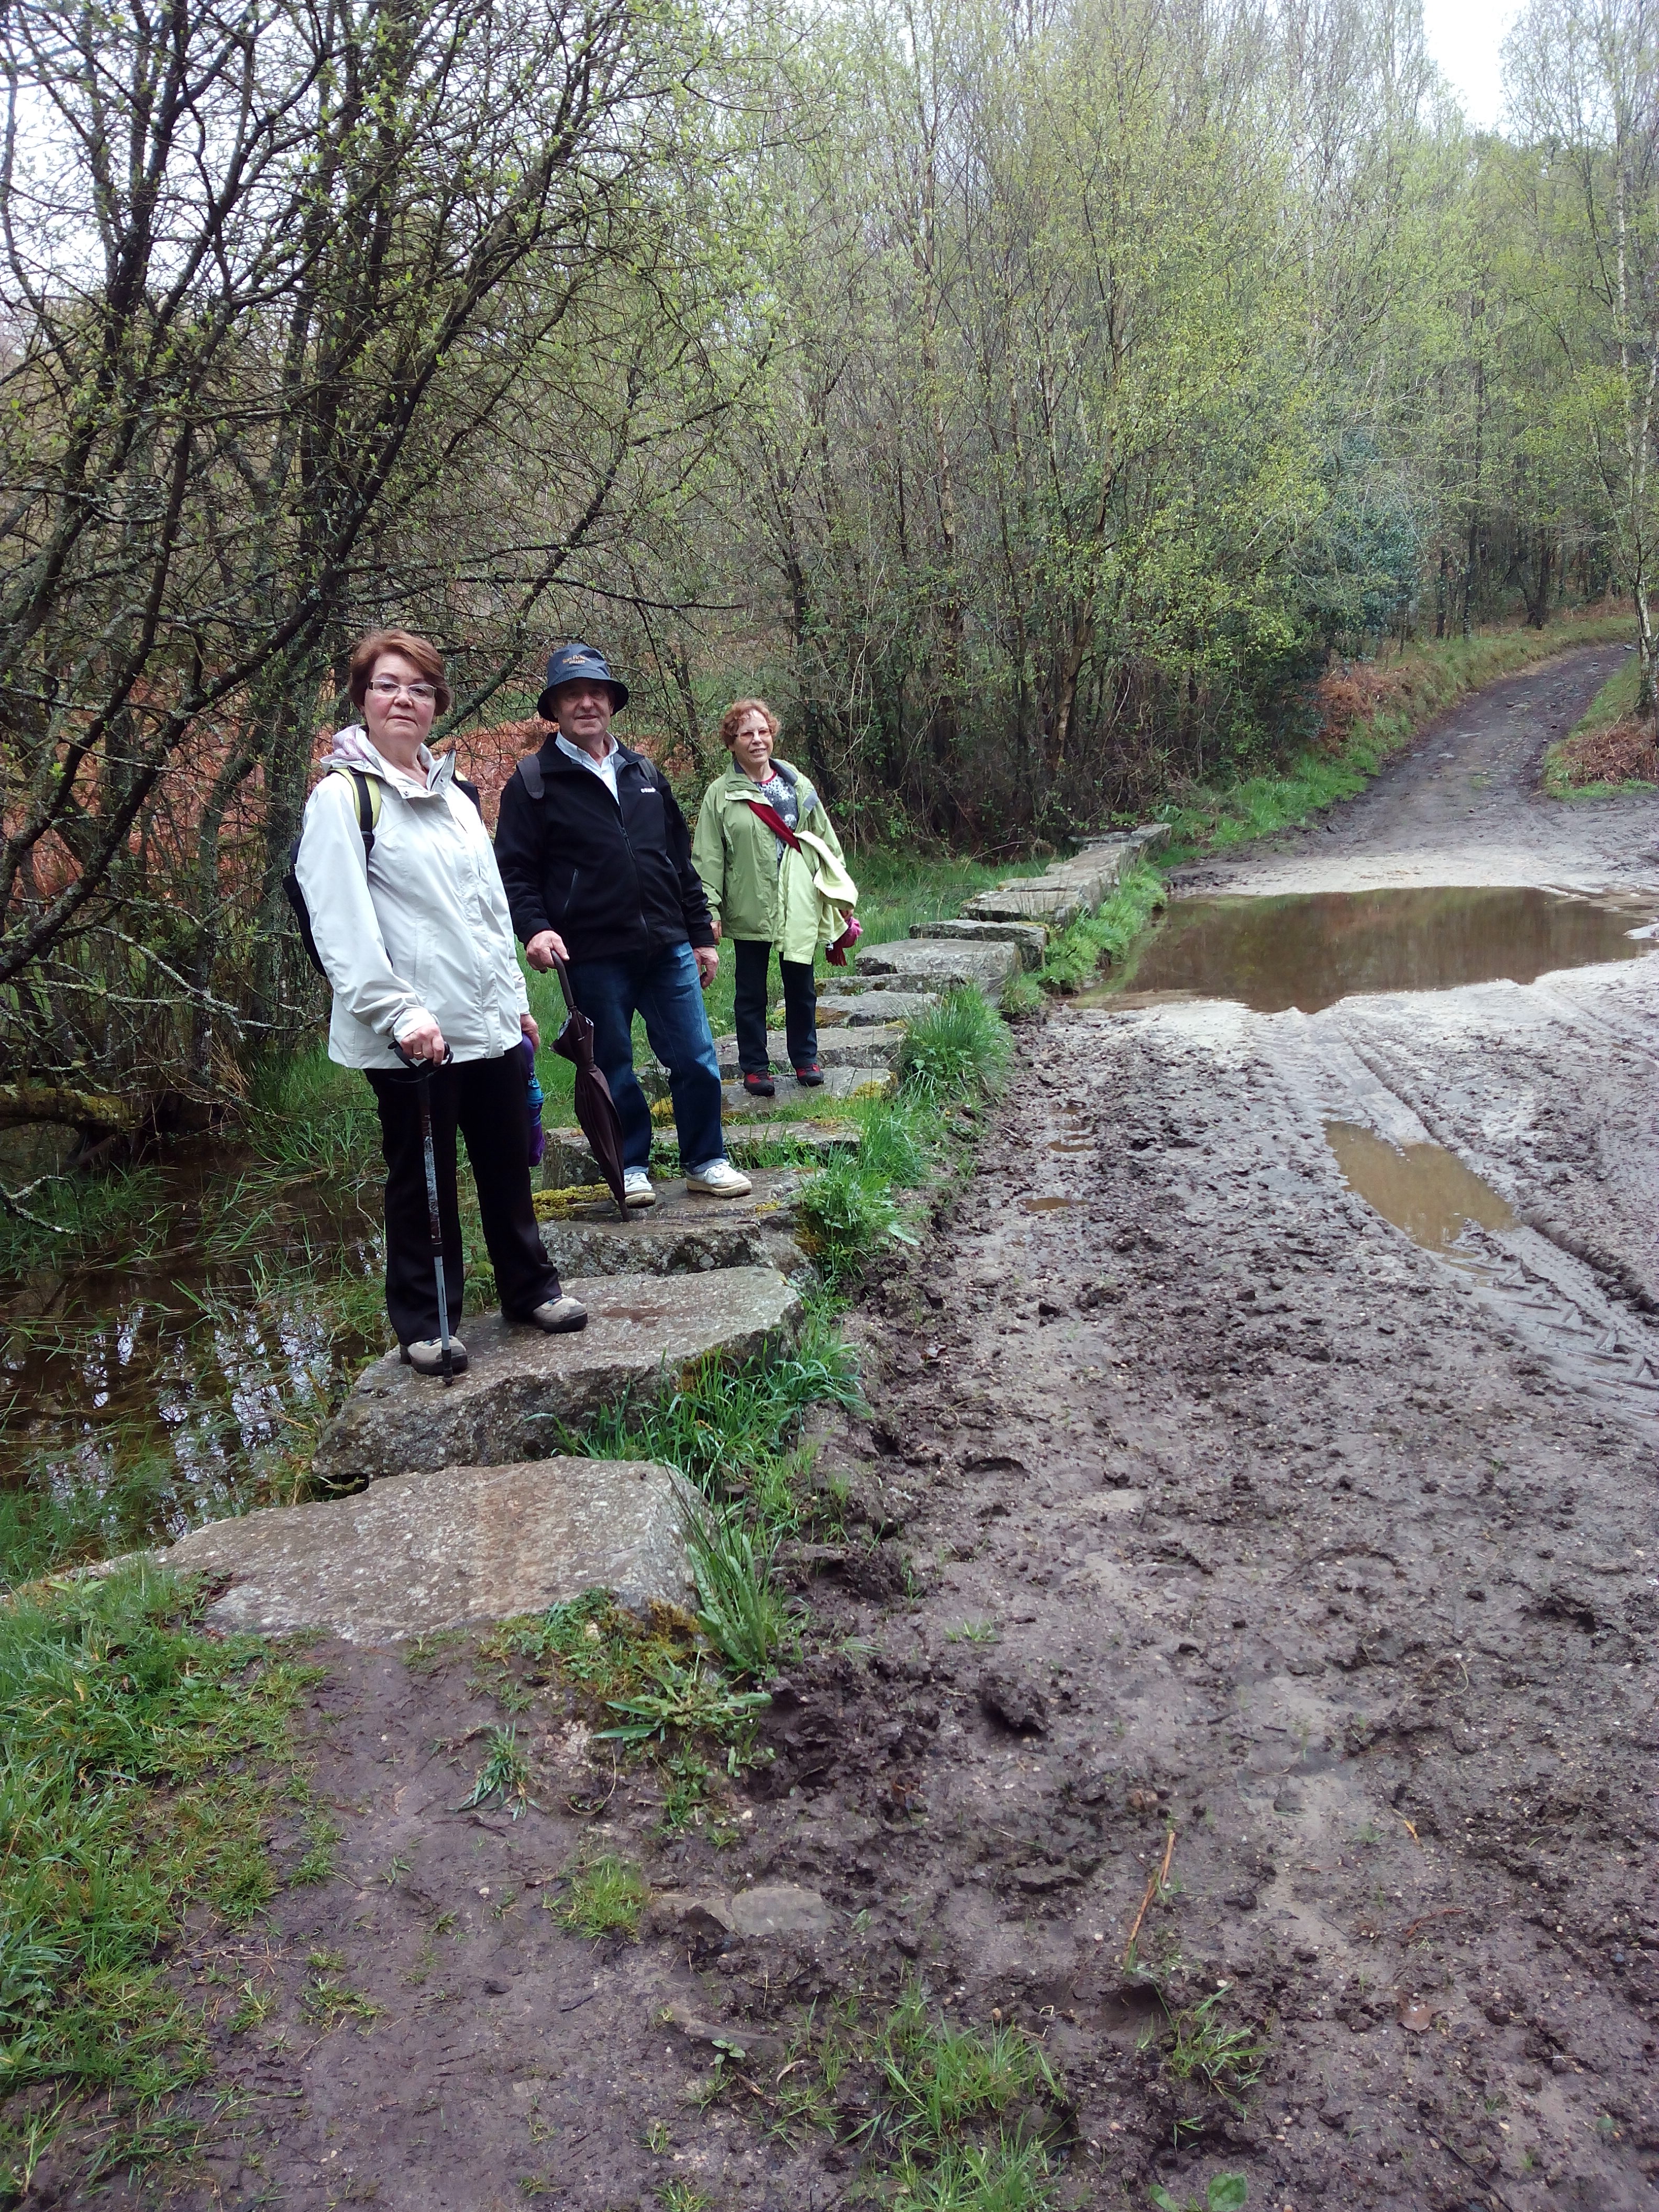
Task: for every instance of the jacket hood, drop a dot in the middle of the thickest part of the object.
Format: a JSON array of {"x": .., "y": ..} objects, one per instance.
[{"x": 351, "y": 748}]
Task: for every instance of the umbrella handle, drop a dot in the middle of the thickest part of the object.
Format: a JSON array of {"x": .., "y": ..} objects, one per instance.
[
  {"x": 564, "y": 985},
  {"x": 421, "y": 1067}
]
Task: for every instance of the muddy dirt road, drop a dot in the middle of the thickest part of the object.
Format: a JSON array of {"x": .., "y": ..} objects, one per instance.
[{"x": 1201, "y": 1505}]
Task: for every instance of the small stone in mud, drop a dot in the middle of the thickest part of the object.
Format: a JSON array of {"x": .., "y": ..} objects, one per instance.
[
  {"x": 1018, "y": 1704},
  {"x": 780, "y": 1910}
]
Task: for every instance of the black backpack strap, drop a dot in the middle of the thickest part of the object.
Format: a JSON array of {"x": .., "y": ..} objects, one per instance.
[
  {"x": 365, "y": 808},
  {"x": 530, "y": 768}
]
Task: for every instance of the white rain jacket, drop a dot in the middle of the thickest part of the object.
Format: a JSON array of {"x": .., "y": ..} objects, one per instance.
[{"x": 422, "y": 927}]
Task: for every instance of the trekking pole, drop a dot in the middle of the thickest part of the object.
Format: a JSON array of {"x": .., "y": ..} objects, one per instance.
[{"x": 421, "y": 1070}]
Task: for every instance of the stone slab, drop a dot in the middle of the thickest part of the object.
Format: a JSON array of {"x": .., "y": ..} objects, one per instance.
[
  {"x": 570, "y": 1161},
  {"x": 780, "y": 1908},
  {"x": 937, "y": 965},
  {"x": 683, "y": 1234},
  {"x": 521, "y": 1386},
  {"x": 421, "y": 1552},
  {"x": 875, "y": 1045},
  {"x": 1030, "y": 937},
  {"x": 851, "y": 1084},
  {"x": 871, "y": 1006}
]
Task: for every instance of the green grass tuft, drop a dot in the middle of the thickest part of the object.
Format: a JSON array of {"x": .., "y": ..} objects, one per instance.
[
  {"x": 959, "y": 1050},
  {"x": 741, "y": 1609},
  {"x": 606, "y": 1896}
]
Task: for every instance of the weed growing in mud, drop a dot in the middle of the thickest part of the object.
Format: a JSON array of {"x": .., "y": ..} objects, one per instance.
[
  {"x": 328, "y": 2000},
  {"x": 732, "y": 1432},
  {"x": 1204, "y": 2048},
  {"x": 1227, "y": 2192},
  {"x": 689, "y": 1699},
  {"x": 957, "y": 1050},
  {"x": 606, "y": 1896},
  {"x": 505, "y": 1772},
  {"x": 1075, "y": 956},
  {"x": 937, "y": 2099},
  {"x": 741, "y": 1609},
  {"x": 135, "y": 1759}
]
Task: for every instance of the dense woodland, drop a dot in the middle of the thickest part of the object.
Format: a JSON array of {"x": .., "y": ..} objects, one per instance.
[{"x": 1031, "y": 399}]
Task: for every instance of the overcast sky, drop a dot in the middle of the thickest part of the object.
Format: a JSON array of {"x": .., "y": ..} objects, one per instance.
[{"x": 1464, "y": 37}]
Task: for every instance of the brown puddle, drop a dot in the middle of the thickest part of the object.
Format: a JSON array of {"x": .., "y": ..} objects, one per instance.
[
  {"x": 1310, "y": 950},
  {"x": 1046, "y": 1204},
  {"x": 1425, "y": 1190}
]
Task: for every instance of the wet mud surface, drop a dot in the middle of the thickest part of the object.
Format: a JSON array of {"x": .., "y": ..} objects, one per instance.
[{"x": 1200, "y": 1500}]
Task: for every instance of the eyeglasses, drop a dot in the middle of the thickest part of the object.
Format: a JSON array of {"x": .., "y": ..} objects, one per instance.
[{"x": 383, "y": 687}]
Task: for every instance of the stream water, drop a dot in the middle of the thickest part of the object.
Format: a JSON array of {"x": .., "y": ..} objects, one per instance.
[{"x": 137, "y": 1401}]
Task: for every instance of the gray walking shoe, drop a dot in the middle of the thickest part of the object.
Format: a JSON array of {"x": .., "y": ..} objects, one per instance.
[
  {"x": 559, "y": 1316},
  {"x": 428, "y": 1357}
]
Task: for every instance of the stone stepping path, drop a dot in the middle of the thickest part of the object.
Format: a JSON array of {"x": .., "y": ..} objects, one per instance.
[
  {"x": 1071, "y": 887},
  {"x": 521, "y": 1385},
  {"x": 465, "y": 1522},
  {"x": 683, "y": 1234},
  {"x": 422, "y": 1553}
]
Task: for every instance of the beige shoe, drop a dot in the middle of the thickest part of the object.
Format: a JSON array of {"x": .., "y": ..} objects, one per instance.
[
  {"x": 559, "y": 1316},
  {"x": 719, "y": 1179},
  {"x": 428, "y": 1359}
]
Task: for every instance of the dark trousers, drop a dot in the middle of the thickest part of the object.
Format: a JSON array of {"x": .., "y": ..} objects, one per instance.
[
  {"x": 484, "y": 1099},
  {"x": 753, "y": 957}
]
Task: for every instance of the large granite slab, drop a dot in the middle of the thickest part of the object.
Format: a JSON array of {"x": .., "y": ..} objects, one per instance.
[
  {"x": 851, "y": 1084},
  {"x": 425, "y": 1552},
  {"x": 1030, "y": 937},
  {"x": 934, "y": 964},
  {"x": 570, "y": 1157},
  {"x": 683, "y": 1234},
  {"x": 521, "y": 1386},
  {"x": 870, "y": 1005},
  {"x": 873, "y": 1046}
]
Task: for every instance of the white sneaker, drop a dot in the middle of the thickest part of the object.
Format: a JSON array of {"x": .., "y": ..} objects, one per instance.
[
  {"x": 636, "y": 1187},
  {"x": 719, "y": 1179}
]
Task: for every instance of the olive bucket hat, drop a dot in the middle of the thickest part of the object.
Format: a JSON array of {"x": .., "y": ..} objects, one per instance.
[{"x": 571, "y": 663}]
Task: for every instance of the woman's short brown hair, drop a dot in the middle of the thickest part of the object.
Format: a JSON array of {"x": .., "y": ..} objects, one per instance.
[
  {"x": 424, "y": 655},
  {"x": 735, "y": 712}
]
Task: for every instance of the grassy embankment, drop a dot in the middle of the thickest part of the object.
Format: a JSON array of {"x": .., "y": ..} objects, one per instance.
[{"x": 1607, "y": 751}]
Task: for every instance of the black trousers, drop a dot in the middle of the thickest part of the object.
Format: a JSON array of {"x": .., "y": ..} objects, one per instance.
[
  {"x": 753, "y": 958},
  {"x": 484, "y": 1099}
]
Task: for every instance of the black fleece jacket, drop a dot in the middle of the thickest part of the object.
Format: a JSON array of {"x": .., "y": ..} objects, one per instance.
[{"x": 613, "y": 876}]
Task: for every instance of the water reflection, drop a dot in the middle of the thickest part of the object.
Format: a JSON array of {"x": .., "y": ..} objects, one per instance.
[
  {"x": 1311, "y": 950},
  {"x": 1424, "y": 1190},
  {"x": 155, "y": 1396}
]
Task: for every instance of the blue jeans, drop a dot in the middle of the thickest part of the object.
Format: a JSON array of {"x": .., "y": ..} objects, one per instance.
[{"x": 664, "y": 988}]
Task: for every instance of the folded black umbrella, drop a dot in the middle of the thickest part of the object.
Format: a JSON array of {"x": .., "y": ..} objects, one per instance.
[{"x": 596, "y": 1110}]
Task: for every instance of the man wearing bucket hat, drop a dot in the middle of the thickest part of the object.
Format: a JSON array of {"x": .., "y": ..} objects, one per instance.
[{"x": 596, "y": 859}]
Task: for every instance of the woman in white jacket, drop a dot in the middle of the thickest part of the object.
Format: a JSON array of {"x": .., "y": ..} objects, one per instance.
[{"x": 410, "y": 923}]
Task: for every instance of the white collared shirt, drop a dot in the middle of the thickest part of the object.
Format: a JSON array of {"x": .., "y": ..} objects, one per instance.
[{"x": 605, "y": 770}]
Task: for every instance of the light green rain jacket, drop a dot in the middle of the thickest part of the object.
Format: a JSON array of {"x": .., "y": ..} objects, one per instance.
[{"x": 797, "y": 904}]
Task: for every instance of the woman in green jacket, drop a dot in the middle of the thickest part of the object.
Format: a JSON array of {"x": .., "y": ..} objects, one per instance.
[{"x": 766, "y": 888}]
